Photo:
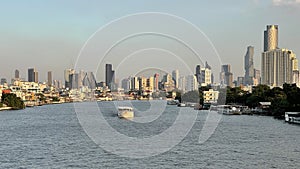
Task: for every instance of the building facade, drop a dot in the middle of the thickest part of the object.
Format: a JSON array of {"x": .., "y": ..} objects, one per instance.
[
  {"x": 109, "y": 76},
  {"x": 248, "y": 65},
  {"x": 278, "y": 66},
  {"x": 32, "y": 75},
  {"x": 271, "y": 38},
  {"x": 226, "y": 77}
]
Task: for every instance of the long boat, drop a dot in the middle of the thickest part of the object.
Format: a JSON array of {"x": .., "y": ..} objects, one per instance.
[
  {"x": 125, "y": 112},
  {"x": 292, "y": 117},
  {"x": 229, "y": 110}
]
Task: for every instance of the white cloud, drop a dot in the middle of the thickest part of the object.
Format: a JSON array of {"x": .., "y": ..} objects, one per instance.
[{"x": 286, "y": 2}]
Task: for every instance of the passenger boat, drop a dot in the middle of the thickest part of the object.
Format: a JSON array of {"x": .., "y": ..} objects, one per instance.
[
  {"x": 229, "y": 110},
  {"x": 172, "y": 102},
  {"x": 125, "y": 112},
  {"x": 181, "y": 105},
  {"x": 292, "y": 117}
]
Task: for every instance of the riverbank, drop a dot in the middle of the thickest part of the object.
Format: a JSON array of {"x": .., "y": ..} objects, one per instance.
[{"x": 5, "y": 108}]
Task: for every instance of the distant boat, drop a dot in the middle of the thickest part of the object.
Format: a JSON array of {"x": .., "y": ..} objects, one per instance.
[
  {"x": 125, "y": 112},
  {"x": 229, "y": 110},
  {"x": 292, "y": 117},
  {"x": 172, "y": 102},
  {"x": 181, "y": 105}
]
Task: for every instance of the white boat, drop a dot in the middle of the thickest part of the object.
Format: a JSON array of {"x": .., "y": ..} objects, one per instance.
[
  {"x": 229, "y": 110},
  {"x": 125, "y": 112},
  {"x": 172, "y": 102},
  {"x": 292, "y": 117},
  {"x": 181, "y": 105}
]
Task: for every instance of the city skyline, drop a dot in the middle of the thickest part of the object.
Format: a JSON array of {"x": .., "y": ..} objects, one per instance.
[{"x": 52, "y": 42}]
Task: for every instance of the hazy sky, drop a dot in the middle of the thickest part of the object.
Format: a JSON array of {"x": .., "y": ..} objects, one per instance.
[{"x": 49, "y": 35}]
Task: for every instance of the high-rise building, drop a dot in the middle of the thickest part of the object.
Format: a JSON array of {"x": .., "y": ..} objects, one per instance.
[
  {"x": 175, "y": 77},
  {"x": 135, "y": 83},
  {"x": 182, "y": 84},
  {"x": 89, "y": 80},
  {"x": 36, "y": 77},
  {"x": 191, "y": 83},
  {"x": 126, "y": 83},
  {"x": 81, "y": 76},
  {"x": 168, "y": 83},
  {"x": 156, "y": 82},
  {"x": 204, "y": 75},
  {"x": 32, "y": 75},
  {"x": 278, "y": 66},
  {"x": 296, "y": 77},
  {"x": 17, "y": 74},
  {"x": 271, "y": 38},
  {"x": 226, "y": 77},
  {"x": 109, "y": 76},
  {"x": 67, "y": 74},
  {"x": 150, "y": 84},
  {"x": 3, "y": 81},
  {"x": 249, "y": 67},
  {"x": 142, "y": 83},
  {"x": 257, "y": 77},
  {"x": 198, "y": 73},
  {"x": 74, "y": 81},
  {"x": 49, "y": 78}
]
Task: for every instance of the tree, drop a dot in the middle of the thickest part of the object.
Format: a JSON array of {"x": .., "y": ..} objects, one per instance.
[
  {"x": 191, "y": 96},
  {"x": 13, "y": 101},
  {"x": 293, "y": 94}
]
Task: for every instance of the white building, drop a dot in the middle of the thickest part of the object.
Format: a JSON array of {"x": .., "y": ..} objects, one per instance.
[
  {"x": 182, "y": 84},
  {"x": 205, "y": 76},
  {"x": 210, "y": 96},
  {"x": 278, "y": 66},
  {"x": 191, "y": 83}
]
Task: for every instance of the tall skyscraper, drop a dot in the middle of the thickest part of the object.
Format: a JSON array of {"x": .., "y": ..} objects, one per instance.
[
  {"x": 249, "y": 67},
  {"x": 135, "y": 83},
  {"x": 226, "y": 77},
  {"x": 277, "y": 64},
  {"x": 277, "y": 67},
  {"x": 191, "y": 83},
  {"x": 175, "y": 77},
  {"x": 74, "y": 80},
  {"x": 36, "y": 77},
  {"x": 89, "y": 80},
  {"x": 182, "y": 84},
  {"x": 271, "y": 38},
  {"x": 168, "y": 82},
  {"x": 198, "y": 73},
  {"x": 126, "y": 83},
  {"x": 67, "y": 74},
  {"x": 17, "y": 74},
  {"x": 32, "y": 75},
  {"x": 204, "y": 75},
  {"x": 109, "y": 76},
  {"x": 49, "y": 78},
  {"x": 156, "y": 82}
]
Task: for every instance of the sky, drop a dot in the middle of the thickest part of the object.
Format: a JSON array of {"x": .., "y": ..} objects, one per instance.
[{"x": 59, "y": 34}]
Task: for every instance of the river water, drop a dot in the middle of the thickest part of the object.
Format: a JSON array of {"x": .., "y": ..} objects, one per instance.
[{"x": 51, "y": 136}]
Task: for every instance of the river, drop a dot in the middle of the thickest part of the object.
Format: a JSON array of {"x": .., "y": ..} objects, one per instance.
[{"x": 51, "y": 136}]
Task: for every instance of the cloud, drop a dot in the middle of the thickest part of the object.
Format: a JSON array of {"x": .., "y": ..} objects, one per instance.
[{"x": 291, "y": 3}]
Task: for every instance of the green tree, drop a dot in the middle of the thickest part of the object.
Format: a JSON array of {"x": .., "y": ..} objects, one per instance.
[
  {"x": 191, "y": 96},
  {"x": 13, "y": 101},
  {"x": 293, "y": 94}
]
